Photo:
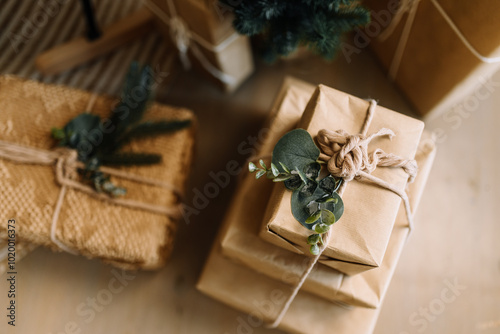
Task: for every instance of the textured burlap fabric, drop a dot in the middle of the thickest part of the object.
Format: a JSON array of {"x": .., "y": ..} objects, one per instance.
[{"x": 126, "y": 237}]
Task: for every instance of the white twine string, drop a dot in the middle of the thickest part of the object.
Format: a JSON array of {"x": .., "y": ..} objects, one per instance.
[
  {"x": 411, "y": 6},
  {"x": 183, "y": 37}
]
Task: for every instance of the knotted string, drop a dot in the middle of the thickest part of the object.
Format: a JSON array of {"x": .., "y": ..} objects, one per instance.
[
  {"x": 411, "y": 6},
  {"x": 183, "y": 38},
  {"x": 66, "y": 166},
  {"x": 346, "y": 156}
]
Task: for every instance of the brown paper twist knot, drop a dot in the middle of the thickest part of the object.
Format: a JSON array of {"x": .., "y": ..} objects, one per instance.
[{"x": 347, "y": 155}]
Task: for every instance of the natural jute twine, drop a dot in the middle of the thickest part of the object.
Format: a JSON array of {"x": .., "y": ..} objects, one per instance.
[
  {"x": 347, "y": 157},
  {"x": 66, "y": 172}
]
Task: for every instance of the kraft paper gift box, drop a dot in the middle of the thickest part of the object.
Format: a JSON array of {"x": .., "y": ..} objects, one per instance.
[
  {"x": 129, "y": 238},
  {"x": 229, "y": 278},
  {"x": 436, "y": 70},
  {"x": 359, "y": 239},
  {"x": 241, "y": 241},
  {"x": 212, "y": 34}
]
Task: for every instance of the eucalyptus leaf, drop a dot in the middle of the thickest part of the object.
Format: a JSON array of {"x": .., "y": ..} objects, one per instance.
[
  {"x": 309, "y": 188},
  {"x": 329, "y": 184},
  {"x": 321, "y": 228},
  {"x": 313, "y": 239},
  {"x": 296, "y": 150},
  {"x": 300, "y": 204},
  {"x": 260, "y": 173},
  {"x": 294, "y": 182},
  {"x": 314, "y": 249},
  {"x": 312, "y": 170},
  {"x": 261, "y": 162},
  {"x": 282, "y": 177},
  {"x": 275, "y": 170},
  {"x": 285, "y": 168},
  {"x": 251, "y": 167},
  {"x": 313, "y": 218},
  {"x": 327, "y": 217},
  {"x": 77, "y": 133}
]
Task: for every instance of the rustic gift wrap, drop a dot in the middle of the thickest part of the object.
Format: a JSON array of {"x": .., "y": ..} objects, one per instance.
[
  {"x": 243, "y": 257},
  {"x": 359, "y": 239},
  {"x": 241, "y": 241},
  {"x": 437, "y": 51},
  {"x": 203, "y": 30},
  {"x": 127, "y": 237}
]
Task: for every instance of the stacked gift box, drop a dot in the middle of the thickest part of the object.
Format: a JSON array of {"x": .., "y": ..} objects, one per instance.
[{"x": 260, "y": 251}]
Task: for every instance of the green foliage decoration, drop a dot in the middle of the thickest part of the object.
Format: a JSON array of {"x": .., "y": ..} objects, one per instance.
[
  {"x": 99, "y": 142},
  {"x": 286, "y": 24},
  {"x": 315, "y": 201}
]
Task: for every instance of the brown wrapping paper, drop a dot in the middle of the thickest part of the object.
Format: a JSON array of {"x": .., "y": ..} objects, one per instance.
[
  {"x": 241, "y": 241},
  {"x": 359, "y": 239},
  {"x": 437, "y": 71},
  {"x": 260, "y": 295},
  {"x": 213, "y": 23},
  {"x": 126, "y": 237}
]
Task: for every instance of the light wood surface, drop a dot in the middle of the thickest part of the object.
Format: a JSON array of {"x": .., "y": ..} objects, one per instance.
[{"x": 455, "y": 237}]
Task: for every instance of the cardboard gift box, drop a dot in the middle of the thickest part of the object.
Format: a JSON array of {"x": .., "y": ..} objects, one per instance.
[
  {"x": 234, "y": 272},
  {"x": 127, "y": 237},
  {"x": 359, "y": 239},
  {"x": 241, "y": 242},
  {"x": 435, "y": 69},
  {"x": 204, "y": 28}
]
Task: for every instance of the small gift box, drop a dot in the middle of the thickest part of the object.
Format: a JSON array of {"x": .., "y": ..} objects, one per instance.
[
  {"x": 203, "y": 29},
  {"x": 51, "y": 209},
  {"x": 437, "y": 51},
  {"x": 359, "y": 240},
  {"x": 264, "y": 272},
  {"x": 241, "y": 241}
]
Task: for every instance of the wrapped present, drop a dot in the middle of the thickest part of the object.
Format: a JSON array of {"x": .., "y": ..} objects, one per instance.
[
  {"x": 263, "y": 274},
  {"x": 359, "y": 240},
  {"x": 438, "y": 52},
  {"x": 203, "y": 30},
  {"x": 53, "y": 210},
  {"x": 241, "y": 241}
]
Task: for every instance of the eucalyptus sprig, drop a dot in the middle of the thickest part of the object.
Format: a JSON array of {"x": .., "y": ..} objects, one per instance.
[
  {"x": 99, "y": 141},
  {"x": 315, "y": 201}
]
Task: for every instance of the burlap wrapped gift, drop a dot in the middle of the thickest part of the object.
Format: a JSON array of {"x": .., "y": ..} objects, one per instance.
[
  {"x": 203, "y": 29},
  {"x": 126, "y": 237},
  {"x": 261, "y": 295},
  {"x": 241, "y": 241},
  {"x": 359, "y": 239},
  {"x": 426, "y": 57}
]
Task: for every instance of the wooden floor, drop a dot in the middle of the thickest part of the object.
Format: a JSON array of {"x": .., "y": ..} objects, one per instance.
[{"x": 455, "y": 242}]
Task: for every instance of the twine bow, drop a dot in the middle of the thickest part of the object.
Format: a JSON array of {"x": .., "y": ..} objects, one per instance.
[
  {"x": 66, "y": 164},
  {"x": 183, "y": 38}
]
